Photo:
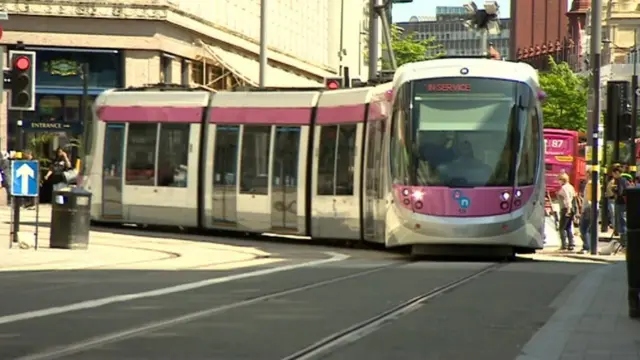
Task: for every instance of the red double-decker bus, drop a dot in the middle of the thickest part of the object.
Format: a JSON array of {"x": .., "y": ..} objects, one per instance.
[{"x": 564, "y": 152}]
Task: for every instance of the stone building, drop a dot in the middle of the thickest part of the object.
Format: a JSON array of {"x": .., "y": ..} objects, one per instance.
[{"x": 211, "y": 43}]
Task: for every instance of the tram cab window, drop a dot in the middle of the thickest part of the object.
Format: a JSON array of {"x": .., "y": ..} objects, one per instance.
[
  {"x": 336, "y": 161},
  {"x": 141, "y": 154},
  {"x": 173, "y": 155},
  {"x": 254, "y": 166},
  {"x": 530, "y": 148}
]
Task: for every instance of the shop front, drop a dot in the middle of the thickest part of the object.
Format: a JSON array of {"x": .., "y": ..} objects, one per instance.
[{"x": 59, "y": 94}]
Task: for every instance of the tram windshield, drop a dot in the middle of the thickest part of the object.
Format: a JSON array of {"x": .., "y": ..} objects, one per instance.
[{"x": 466, "y": 130}]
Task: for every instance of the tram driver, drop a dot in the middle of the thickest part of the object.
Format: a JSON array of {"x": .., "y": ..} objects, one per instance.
[{"x": 465, "y": 163}]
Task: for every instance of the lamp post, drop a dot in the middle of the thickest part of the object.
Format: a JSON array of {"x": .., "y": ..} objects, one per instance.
[
  {"x": 484, "y": 20},
  {"x": 595, "y": 44}
]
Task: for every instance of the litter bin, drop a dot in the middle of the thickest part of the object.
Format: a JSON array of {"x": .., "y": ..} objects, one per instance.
[
  {"x": 633, "y": 250},
  {"x": 70, "y": 219}
]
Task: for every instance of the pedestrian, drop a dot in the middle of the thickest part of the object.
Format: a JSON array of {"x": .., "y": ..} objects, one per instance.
[
  {"x": 568, "y": 209},
  {"x": 60, "y": 165},
  {"x": 620, "y": 207},
  {"x": 586, "y": 219},
  {"x": 610, "y": 199}
]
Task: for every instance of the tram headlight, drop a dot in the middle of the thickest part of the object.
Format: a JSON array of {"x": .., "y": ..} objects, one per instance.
[
  {"x": 518, "y": 194},
  {"x": 405, "y": 192},
  {"x": 504, "y": 205},
  {"x": 407, "y": 202},
  {"x": 418, "y": 205},
  {"x": 517, "y": 203},
  {"x": 418, "y": 195},
  {"x": 505, "y": 196}
]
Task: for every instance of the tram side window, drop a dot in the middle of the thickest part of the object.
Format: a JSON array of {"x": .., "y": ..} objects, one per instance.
[
  {"x": 336, "y": 161},
  {"x": 254, "y": 167},
  {"x": 141, "y": 154},
  {"x": 327, "y": 160},
  {"x": 346, "y": 157},
  {"x": 173, "y": 155}
]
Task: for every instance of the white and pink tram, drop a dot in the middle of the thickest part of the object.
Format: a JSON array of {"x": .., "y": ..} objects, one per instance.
[{"x": 447, "y": 154}]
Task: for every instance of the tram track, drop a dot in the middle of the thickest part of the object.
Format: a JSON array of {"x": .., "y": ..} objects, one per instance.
[
  {"x": 118, "y": 336},
  {"x": 316, "y": 350},
  {"x": 360, "y": 330}
]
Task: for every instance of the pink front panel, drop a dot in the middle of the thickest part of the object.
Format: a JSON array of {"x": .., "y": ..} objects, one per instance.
[
  {"x": 377, "y": 111},
  {"x": 443, "y": 201},
  {"x": 267, "y": 116},
  {"x": 340, "y": 114},
  {"x": 150, "y": 114}
]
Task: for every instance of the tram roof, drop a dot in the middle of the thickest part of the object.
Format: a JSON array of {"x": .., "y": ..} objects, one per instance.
[{"x": 476, "y": 67}]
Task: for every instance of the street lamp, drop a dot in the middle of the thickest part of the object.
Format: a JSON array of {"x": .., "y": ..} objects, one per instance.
[{"x": 484, "y": 20}]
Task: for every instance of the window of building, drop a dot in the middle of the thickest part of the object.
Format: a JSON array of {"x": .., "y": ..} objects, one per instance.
[
  {"x": 336, "y": 161},
  {"x": 166, "y": 69},
  {"x": 197, "y": 72},
  {"x": 254, "y": 166},
  {"x": 185, "y": 72},
  {"x": 173, "y": 155},
  {"x": 141, "y": 154}
]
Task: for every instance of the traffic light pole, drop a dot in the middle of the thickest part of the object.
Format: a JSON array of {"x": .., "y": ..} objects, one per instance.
[
  {"x": 596, "y": 40},
  {"x": 17, "y": 201},
  {"x": 634, "y": 104}
]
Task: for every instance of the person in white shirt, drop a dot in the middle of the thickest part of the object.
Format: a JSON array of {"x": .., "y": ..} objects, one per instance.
[{"x": 568, "y": 209}]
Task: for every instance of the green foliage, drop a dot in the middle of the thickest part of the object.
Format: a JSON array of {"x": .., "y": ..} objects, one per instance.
[
  {"x": 408, "y": 48},
  {"x": 567, "y": 93}
]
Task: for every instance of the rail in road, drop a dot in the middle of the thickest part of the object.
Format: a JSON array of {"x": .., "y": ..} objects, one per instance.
[{"x": 323, "y": 346}]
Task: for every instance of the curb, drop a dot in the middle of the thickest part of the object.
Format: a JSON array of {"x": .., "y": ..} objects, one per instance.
[{"x": 584, "y": 257}]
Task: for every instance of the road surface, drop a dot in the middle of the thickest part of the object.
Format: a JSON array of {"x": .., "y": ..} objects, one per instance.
[{"x": 306, "y": 303}]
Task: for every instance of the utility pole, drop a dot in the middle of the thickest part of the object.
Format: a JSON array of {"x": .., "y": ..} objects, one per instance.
[
  {"x": 634, "y": 103},
  {"x": 596, "y": 39},
  {"x": 374, "y": 31},
  {"x": 263, "y": 43}
]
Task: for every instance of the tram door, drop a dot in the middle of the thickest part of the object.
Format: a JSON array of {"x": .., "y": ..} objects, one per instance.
[
  {"x": 225, "y": 176},
  {"x": 112, "y": 164},
  {"x": 285, "y": 179},
  {"x": 336, "y": 181}
]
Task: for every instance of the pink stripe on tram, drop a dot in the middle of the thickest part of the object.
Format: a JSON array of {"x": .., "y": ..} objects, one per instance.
[
  {"x": 267, "y": 116},
  {"x": 150, "y": 114},
  {"x": 340, "y": 114}
]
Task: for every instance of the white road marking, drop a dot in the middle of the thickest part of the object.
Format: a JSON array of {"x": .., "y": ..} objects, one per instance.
[
  {"x": 101, "y": 340},
  {"x": 92, "y": 304}
]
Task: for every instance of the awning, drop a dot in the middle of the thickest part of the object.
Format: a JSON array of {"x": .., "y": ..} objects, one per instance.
[{"x": 248, "y": 70}]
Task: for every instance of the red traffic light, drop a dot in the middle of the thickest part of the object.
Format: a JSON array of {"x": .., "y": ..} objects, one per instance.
[
  {"x": 22, "y": 63},
  {"x": 333, "y": 84}
]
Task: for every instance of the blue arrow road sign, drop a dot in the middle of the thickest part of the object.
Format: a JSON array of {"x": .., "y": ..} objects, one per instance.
[{"x": 25, "y": 179}]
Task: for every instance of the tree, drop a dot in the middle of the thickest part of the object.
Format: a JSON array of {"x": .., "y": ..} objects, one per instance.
[
  {"x": 566, "y": 104},
  {"x": 408, "y": 48}
]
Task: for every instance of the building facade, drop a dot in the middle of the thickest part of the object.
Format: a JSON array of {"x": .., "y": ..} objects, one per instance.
[
  {"x": 447, "y": 28},
  {"x": 214, "y": 44},
  {"x": 539, "y": 29}
]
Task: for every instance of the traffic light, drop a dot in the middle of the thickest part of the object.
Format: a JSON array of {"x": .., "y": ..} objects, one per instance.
[
  {"x": 333, "y": 83},
  {"x": 23, "y": 80}
]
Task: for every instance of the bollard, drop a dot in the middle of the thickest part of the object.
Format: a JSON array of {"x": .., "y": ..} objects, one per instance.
[{"x": 633, "y": 250}]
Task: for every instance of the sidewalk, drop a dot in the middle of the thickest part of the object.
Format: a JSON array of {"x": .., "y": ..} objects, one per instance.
[
  {"x": 116, "y": 251},
  {"x": 592, "y": 323},
  {"x": 552, "y": 245}
]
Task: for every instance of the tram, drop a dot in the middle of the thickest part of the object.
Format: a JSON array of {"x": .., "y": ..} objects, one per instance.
[{"x": 449, "y": 153}]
